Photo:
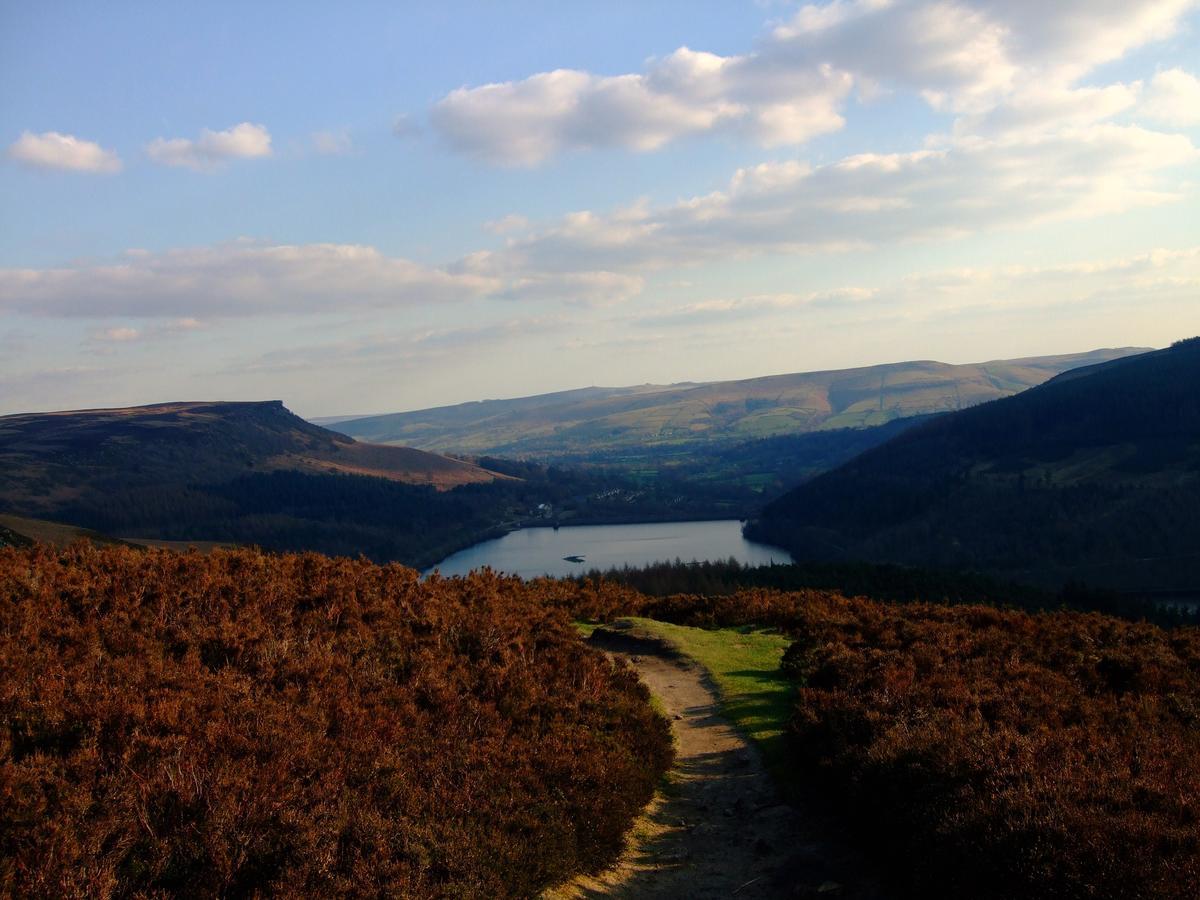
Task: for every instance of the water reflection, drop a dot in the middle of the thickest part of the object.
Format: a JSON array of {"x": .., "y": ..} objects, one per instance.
[{"x": 575, "y": 550}]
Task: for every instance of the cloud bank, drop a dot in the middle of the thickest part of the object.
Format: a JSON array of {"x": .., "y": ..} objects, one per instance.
[
  {"x": 238, "y": 279},
  {"x": 970, "y": 185}
]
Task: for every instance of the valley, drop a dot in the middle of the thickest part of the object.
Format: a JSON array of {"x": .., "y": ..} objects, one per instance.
[
  {"x": 848, "y": 699},
  {"x": 599, "y": 424}
]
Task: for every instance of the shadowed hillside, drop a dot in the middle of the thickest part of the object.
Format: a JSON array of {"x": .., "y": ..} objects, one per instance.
[
  {"x": 204, "y": 440},
  {"x": 600, "y": 420},
  {"x": 1094, "y": 477},
  {"x": 238, "y": 472}
]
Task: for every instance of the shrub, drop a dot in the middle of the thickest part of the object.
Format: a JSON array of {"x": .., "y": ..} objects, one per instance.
[
  {"x": 981, "y": 752},
  {"x": 242, "y": 724}
]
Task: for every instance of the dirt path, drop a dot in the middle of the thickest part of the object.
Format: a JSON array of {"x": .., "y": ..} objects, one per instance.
[{"x": 719, "y": 828}]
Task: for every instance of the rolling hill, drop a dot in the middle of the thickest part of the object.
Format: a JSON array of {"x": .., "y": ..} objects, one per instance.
[
  {"x": 199, "y": 440},
  {"x": 235, "y": 472},
  {"x": 1093, "y": 476},
  {"x": 607, "y": 421}
]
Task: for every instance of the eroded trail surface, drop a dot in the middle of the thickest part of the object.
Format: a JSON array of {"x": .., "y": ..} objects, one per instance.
[{"x": 719, "y": 829}]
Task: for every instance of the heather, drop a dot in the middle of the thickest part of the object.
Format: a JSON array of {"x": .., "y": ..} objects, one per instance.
[
  {"x": 243, "y": 724},
  {"x": 985, "y": 752}
]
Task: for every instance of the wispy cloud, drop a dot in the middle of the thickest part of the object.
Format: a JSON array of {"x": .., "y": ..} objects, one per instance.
[
  {"x": 420, "y": 347},
  {"x": 967, "y": 186},
  {"x": 751, "y": 307},
  {"x": 63, "y": 152},
  {"x": 1133, "y": 281},
  {"x": 332, "y": 143},
  {"x": 116, "y": 335},
  {"x": 237, "y": 279}
]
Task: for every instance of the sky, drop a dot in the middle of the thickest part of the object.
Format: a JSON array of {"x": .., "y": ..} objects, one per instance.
[{"x": 371, "y": 207}]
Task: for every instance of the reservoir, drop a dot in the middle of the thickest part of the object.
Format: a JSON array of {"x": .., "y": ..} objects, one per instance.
[{"x": 530, "y": 552}]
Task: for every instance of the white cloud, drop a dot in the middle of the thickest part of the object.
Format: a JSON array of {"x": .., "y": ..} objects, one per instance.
[
  {"x": 236, "y": 279},
  {"x": 962, "y": 56},
  {"x": 686, "y": 93},
  {"x": 52, "y": 150},
  {"x": 332, "y": 143},
  {"x": 971, "y": 185},
  {"x": 212, "y": 148},
  {"x": 1049, "y": 107},
  {"x": 967, "y": 55},
  {"x": 1173, "y": 98}
]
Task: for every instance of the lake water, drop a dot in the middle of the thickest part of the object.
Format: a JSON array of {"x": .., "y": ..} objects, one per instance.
[{"x": 540, "y": 551}]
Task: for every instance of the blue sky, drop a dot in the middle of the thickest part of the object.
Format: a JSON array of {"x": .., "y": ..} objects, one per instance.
[{"x": 369, "y": 207}]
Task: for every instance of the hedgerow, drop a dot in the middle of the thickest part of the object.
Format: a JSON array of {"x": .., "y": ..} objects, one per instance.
[{"x": 242, "y": 724}]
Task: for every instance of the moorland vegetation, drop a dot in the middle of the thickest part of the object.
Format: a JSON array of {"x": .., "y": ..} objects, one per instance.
[
  {"x": 983, "y": 752},
  {"x": 243, "y": 724}
]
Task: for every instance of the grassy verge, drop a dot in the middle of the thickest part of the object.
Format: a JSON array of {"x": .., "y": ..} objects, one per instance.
[{"x": 744, "y": 665}]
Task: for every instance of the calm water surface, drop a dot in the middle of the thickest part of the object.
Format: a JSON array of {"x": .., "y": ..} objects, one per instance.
[{"x": 541, "y": 551}]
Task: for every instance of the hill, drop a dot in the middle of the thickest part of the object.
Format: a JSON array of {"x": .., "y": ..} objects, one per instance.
[
  {"x": 1093, "y": 476},
  {"x": 237, "y": 472},
  {"x": 606, "y": 421},
  {"x": 205, "y": 440},
  {"x": 253, "y": 473}
]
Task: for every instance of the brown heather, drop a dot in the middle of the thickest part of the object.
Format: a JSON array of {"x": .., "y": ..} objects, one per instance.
[
  {"x": 987, "y": 753},
  {"x": 242, "y": 724}
]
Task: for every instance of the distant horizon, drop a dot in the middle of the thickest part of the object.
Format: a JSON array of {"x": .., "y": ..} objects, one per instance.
[{"x": 318, "y": 419}]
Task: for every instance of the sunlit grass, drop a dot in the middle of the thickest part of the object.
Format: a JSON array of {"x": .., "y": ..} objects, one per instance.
[{"x": 744, "y": 666}]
